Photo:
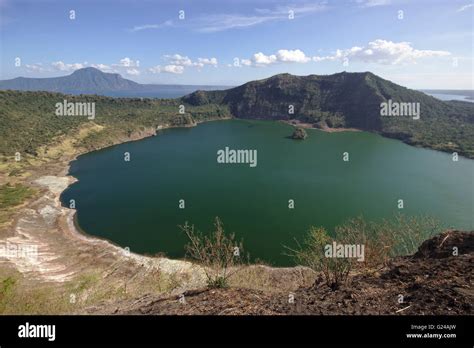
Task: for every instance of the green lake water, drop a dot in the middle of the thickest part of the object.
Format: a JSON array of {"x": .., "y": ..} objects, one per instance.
[{"x": 135, "y": 204}]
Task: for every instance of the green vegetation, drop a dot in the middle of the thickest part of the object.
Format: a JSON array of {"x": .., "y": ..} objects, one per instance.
[
  {"x": 381, "y": 240},
  {"x": 338, "y": 100},
  {"x": 6, "y": 289},
  {"x": 219, "y": 253},
  {"x": 351, "y": 100},
  {"x": 28, "y": 119},
  {"x": 13, "y": 195},
  {"x": 311, "y": 255}
]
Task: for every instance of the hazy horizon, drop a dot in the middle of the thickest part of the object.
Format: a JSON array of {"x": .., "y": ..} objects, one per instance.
[
  {"x": 422, "y": 45},
  {"x": 231, "y": 86}
]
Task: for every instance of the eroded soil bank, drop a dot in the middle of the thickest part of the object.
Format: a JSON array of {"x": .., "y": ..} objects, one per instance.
[{"x": 432, "y": 281}]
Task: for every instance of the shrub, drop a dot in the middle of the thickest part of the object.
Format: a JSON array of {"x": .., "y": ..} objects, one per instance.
[
  {"x": 381, "y": 240},
  {"x": 311, "y": 254},
  {"x": 388, "y": 238},
  {"x": 219, "y": 253}
]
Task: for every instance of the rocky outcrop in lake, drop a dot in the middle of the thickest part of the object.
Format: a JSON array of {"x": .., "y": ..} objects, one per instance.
[{"x": 299, "y": 134}]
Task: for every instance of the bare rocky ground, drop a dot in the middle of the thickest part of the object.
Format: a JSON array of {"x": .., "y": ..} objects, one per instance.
[
  {"x": 432, "y": 281},
  {"x": 76, "y": 268}
]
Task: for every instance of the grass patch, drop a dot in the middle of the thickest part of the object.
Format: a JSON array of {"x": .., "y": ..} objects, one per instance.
[
  {"x": 6, "y": 289},
  {"x": 13, "y": 195}
]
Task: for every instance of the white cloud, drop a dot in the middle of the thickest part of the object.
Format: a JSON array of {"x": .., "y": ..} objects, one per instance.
[
  {"x": 465, "y": 7},
  {"x": 207, "y": 61},
  {"x": 177, "y": 63},
  {"x": 292, "y": 56},
  {"x": 103, "y": 67},
  {"x": 281, "y": 56},
  {"x": 128, "y": 63},
  {"x": 133, "y": 71},
  {"x": 383, "y": 52},
  {"x": 245, "y": 62},
  {"x": 260, "y": 59},
  {"x": 172, "y": 69},
  {"x": 61, "y": 66},
  {"x": 373, "y": 3},
  {"x": 36, "y": 67},
  {"x": 177, "y": 59},
  {"x": 220, "y": 22},
  {"x": 167, "y": 23},
  {"x": 377, "y": 51},
  {"x": 125, "y": 65}
]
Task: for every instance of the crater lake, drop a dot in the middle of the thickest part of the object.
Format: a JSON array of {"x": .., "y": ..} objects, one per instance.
[{"x": 136, "y": 203}]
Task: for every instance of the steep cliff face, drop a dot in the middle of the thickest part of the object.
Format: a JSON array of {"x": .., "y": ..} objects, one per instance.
[
  {"x": 311, "y": 98},
  {"x": 353, "y": 97},
  {"x": 350, "y": 100}
]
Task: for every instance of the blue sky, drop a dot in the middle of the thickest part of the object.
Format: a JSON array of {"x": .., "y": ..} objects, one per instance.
[{"x": 418, "y": 44}]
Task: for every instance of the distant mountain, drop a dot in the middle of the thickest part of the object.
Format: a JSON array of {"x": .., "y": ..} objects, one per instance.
[
  {"x": 94, "y": 81},
  {"x": 352, "y": 100},
  {"x": 342, "y": 100},
  {"x": 353, "y": 97}
]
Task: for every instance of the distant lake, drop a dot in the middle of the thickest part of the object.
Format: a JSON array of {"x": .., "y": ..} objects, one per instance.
[
  {"x": 164, "y": 91},
  {"x": 135, "y": 203},
  {"x": 446, "y": 96}
]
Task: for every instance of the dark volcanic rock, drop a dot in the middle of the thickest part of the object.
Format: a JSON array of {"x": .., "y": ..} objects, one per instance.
[
  {"x": 445, "y": 244},
  {"x": 299, "y": 134}
]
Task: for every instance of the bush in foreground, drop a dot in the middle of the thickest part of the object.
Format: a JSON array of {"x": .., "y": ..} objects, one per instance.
[
  {"x": 219, "y": 253},
  {"x": 380, "y": 240}
]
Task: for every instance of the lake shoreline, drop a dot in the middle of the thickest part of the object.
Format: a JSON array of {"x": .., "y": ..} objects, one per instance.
[
  {"x": 297, "y": 123},
  {"x": 67, "y": 254},
  {"x": 98, "y": 216},
  {"x": 52, "y": 180}
]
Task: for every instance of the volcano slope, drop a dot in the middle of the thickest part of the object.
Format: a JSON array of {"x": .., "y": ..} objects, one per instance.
[{"x": 432, "y": 281}]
